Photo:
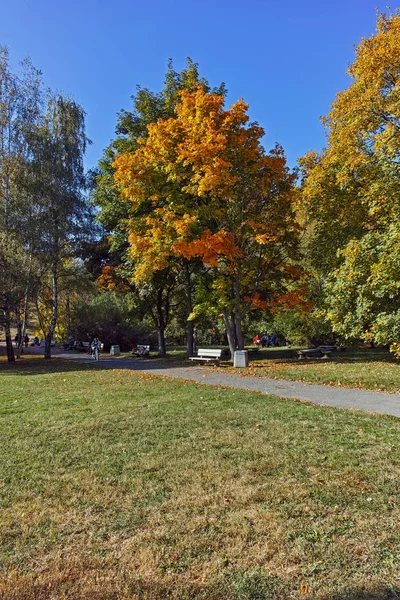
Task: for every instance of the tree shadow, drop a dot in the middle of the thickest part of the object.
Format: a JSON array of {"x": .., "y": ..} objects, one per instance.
[
  {"x": 33, "y": 363},
  {"x": 350, "y": 356},
  {"x": 381, "y": 593}
]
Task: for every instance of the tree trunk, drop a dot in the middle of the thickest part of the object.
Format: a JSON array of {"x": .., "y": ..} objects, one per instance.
[
  {"x": 190, "y": 341},
  {"x": 9, "y": 344},
  {"x": 238, "y": 330},
  {"x": 230, "y": 333},
  {"x": 233, "y": 327},
  {"x": 68, "y": 315},
  {"x": 162, "y": 351},
  {"x": 161, "y": 342},
  {"x": 53, "y": 322},
  {"x": 238, "y": 315},
  {"x": 20, "y": 344},
  {"x": 26, "y": 301}
]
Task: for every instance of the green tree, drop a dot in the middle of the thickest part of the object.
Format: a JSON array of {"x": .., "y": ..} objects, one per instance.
[
  {"x": 351, "y": 192},
  {"x": 59, "y": 144},
  {"x": 20, "y": 103}
]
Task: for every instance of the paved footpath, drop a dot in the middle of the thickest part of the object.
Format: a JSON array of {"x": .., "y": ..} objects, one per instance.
[{"x": 325, "y": 395}]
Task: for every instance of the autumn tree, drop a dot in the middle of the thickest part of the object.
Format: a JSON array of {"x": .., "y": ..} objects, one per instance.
[
  {"x": 117, "y": 210},
  {"x": 202, "y": 187},
  {"x": 351, "y": 191}
]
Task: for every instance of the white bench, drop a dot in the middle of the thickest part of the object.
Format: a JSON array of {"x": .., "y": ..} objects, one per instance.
[{"x": 207, "y": 355}]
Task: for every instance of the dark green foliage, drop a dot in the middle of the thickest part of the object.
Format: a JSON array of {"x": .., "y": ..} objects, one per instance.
[{"x": 113, "y": 320}]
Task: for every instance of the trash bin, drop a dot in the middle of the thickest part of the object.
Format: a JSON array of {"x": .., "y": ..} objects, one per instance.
[
  {"x": 115, "y": 351},
  {"x": 241, "y": 358}
]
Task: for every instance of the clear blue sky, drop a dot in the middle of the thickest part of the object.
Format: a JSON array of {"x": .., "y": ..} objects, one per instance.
[{"x": 287, "y": 59}]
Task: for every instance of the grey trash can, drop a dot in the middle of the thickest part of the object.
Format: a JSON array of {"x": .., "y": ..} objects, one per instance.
[
  {"x": 115, "y": 351},
  {"x": 241, "y": 358}
]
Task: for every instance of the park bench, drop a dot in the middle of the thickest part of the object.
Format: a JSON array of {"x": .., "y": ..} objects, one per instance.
[
  {"x": 207, "y": 355},
  {"x": 141, "y": 350},
  {"x": 328, "y": 348},
  {"x": 333, "y": 348},
  {"x": 314, "y": 353},
  {"x": 79, "y": 346},
  {"x": 42, "y": 343}
]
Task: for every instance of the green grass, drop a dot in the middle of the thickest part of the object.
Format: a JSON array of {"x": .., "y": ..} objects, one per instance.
[{"x": 119, "y": 485}]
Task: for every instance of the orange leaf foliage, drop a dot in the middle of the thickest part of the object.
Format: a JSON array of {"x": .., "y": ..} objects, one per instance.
[
  {"x": 201, "y": 185},
  {"x": 109, "y": 279},
  {"x": 209, "y": 247},
  {"x": 292, "y": 299},
  {"x": 256, "y": 301}
]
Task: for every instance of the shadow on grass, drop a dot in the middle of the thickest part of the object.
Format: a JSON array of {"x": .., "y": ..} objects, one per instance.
[
  {"x": 350, "y": 356},
  {"x": 384, "y": 593},
  {"x": 157, "y": 590},
  {"x": 259, "y": 585},
  {"x": 33, "y": 363}
]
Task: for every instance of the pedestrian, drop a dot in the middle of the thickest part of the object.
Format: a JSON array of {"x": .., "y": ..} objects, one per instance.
[{"x": 26, "y": 340}]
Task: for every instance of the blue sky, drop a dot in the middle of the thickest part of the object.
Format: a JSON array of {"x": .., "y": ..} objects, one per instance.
[{"x": 287, "y": 59}]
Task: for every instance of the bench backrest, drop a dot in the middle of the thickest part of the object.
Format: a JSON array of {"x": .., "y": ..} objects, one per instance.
[{"x": 209, "y": 352}]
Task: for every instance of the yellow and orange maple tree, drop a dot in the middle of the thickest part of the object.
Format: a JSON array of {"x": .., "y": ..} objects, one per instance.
[{"x": 202, "y": 187}]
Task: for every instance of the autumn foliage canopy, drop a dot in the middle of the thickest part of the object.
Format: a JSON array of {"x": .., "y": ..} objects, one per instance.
[{"x": 202, "y": 187}]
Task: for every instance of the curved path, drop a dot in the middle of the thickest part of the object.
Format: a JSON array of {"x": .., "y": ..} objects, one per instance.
[{"x": 325, "y": 395}]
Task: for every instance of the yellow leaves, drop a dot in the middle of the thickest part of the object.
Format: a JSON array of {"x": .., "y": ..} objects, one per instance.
[
  {"x": 265, "y": 238},
  {"x": 367, "y": 113},
  {"x": 201, "y": 185},
  {"x": 152, "y": 238},
  {"x": 194, "y": 148},
  {"x": 395, "y": 349},
  {"x": 364, "y": 133}
]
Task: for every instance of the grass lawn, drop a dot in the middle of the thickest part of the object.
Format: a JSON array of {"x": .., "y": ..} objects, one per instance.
[
  {"x": 119, "y": 485},
  {"x": 355, "y": 368}
]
